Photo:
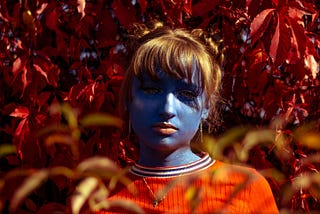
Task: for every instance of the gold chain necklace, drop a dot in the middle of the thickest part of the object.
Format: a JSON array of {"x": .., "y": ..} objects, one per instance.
[
  {"x": 156, "y": 198},
  {"x": 161, "y": 195}
]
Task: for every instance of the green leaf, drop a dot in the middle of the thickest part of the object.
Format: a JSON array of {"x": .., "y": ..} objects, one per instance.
[
  {"x": 308, "y": 135},
  {"x": 83, "y": 192},
  {"x": 254, "y": 138},
  {"x": 97, "y": 164},
  {"x": 127, "y": 205},
  {"x": 30, "y": 184},
  {"x": 99, "y": 119},
  {"x": 310, "y": 140},
  {"x": 61, "y": 170},
  {"x": 7, "y": 149},
  {"x": 64, "y": 139}
]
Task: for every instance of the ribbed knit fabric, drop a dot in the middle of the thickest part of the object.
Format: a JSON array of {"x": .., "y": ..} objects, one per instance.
[{"x": 218, "y": 188}]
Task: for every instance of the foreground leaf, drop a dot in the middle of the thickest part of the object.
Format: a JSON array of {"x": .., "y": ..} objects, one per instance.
[
  {"x": 6, "y": 150},
  {"x": 127, "y": 205},
  {"x": 29, "y": 185},
  {"x": 101, "y": 120},
  {"x": 84, "y": 190}
]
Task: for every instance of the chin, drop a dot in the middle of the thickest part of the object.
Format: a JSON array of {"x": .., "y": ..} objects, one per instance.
[{"x": 165, "y": 145}]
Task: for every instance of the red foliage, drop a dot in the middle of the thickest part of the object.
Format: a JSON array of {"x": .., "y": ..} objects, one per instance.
[{"x": 73, "y": 51}]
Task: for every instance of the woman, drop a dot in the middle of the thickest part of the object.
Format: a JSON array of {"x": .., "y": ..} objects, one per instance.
[{"x": 169, "y": 90}]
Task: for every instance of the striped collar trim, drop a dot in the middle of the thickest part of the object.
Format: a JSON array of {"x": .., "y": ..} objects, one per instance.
[{"x": 165, "y": 172}]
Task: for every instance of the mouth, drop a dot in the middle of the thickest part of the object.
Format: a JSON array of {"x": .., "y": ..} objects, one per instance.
[{"x": 164, "y": 128}]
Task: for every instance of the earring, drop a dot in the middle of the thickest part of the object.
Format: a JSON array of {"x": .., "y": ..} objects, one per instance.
[{"x": 201, "y": 132}]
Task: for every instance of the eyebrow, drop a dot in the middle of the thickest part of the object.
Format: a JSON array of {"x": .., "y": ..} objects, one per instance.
[{"x": 144, "y": 78}]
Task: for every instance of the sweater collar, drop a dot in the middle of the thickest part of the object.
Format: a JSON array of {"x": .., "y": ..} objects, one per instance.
[{"x": 204, "y": 162}]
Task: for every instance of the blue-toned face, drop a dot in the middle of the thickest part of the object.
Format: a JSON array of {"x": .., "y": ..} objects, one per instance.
[{"x": 165, "y": 113}]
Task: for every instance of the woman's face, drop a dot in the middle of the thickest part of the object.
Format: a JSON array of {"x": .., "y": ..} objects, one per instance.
[{"x": 165, "y": 113}]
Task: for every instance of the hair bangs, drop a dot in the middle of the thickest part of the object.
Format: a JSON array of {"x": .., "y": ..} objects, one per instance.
[{"x": 172, "y": 56}]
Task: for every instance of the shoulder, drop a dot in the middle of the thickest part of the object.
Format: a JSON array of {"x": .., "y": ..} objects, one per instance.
[
  {"x": 247, "y": 184},
  {"x": 237, "y": 174}
]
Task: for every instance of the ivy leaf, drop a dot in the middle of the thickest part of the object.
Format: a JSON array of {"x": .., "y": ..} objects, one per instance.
[
  {"x": 310, "y": 62},
  {"x": 297, "y": 9},
  {"x": 4, "y": 11},
  {"x": 20, "y": 112},
  {"x": 21, "y": 133},
  {"x": 280, "y": 43},
  {"x": 260, "y": 24},
  {"x": 19, "y": 69},
  {"x": 143, "y": 5},
  {"x": 298, "y": 38},
  {"x": 43, "y": 65},
  {"x": 52, "y": 20},
  {"x": 124, "y": 12},
  {"x": 23, "y": 129},
  {"x": 202, "y": 8}
]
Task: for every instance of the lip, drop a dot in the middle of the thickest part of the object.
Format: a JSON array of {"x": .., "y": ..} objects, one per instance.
[{"x": 164, "y": 128}]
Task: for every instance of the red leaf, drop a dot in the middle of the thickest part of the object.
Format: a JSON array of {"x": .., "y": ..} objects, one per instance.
[
  {"x": 280, "y": 43},
  {"x": 90, "y": 95},
  {"x": 124, "y": 12},
  {"x": 298, "y": 38},
  {"x": 47, "y": 69},
  {"x": 310, "y": 62},
  {"x": 273, "y": 98},
  {"x": 297, "y": 9},
  {"x": 276, "y": 2},
  {"x": 4, "y": 11},
  {"x": 20, "y": 133},
  {"x": 187, "y": 6},
  {"x": 143, "y": 5},
  {"x": 259, "y": 24},
  {"x": 201, "y": 8},
  {"x": 52, "y": 19},
  {"x": 19, "y": 69},
  {"x": 20, "y": 112},
  {"x": 255, "y": 7},
  {"x": 43, "y": 98},
  {"x": 275, "y": 42},
  {"x": 298, "y": 70},
  {"x": 257, "y": 75}
]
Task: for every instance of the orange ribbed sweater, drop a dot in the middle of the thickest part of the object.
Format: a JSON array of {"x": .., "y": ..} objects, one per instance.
[{"x": 220, "y": 188}]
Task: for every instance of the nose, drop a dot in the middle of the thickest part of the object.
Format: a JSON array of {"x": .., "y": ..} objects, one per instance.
[{"x": 169, "y": 107}]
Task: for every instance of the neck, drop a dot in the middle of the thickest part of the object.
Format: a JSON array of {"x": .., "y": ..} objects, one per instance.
[{"x": 154, "y": 158}]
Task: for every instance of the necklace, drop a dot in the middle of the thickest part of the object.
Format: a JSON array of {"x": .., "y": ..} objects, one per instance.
[{"x": 156, "y": 198}]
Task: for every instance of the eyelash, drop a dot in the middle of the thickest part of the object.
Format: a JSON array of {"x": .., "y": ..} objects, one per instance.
[
  {"x": 150, "y": 90},
  {"x": 189, "y": 94}
]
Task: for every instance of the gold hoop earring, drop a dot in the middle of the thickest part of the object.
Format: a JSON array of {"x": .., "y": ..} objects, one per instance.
[{"x": 201, "y": 132}]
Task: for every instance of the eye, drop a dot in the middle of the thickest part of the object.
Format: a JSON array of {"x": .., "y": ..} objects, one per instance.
[
  {"x": 188, "y": 94},
  {"x": 150, "y": 90}
]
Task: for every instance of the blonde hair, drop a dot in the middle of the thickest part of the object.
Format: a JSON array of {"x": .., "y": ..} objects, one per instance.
[{"x": 176, "y": 52}]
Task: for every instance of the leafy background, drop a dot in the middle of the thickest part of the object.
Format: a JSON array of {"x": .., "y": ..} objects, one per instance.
[{"x": 62, "y": 63}]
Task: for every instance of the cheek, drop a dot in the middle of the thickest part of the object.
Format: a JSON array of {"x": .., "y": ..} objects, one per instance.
[
  {"x": 141, "y": 111},
  {"x": 191, "y": 118}
]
